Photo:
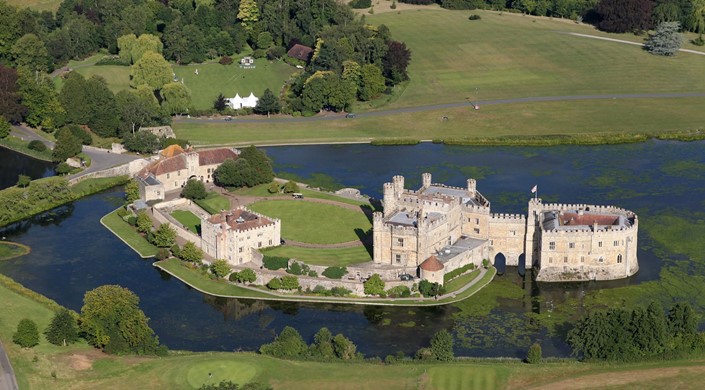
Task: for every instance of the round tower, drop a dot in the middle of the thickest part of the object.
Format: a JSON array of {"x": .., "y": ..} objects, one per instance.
[{"x": 426, "y": 179}]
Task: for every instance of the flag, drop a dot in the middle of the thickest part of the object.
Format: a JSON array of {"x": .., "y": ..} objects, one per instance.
[{"x": 534, "y": 189}]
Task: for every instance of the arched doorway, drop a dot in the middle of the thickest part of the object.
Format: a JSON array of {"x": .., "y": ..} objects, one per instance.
[
  {"x": 522, "y": 264},
  {"x": 500, "y": 263}
]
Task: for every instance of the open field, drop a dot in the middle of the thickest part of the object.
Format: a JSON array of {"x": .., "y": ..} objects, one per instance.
[
  {"x": 314, "y": 223},
  {"x": 188, "y": 219},
  {"x": 601, "y": 117},
  {"x": 128, "y": 234},
  {"x": 214, "y": 202},
  {"x": 339, "y": 257},
  {"x": 214, "y": 78},
  {"x": 39, "y": 5}
]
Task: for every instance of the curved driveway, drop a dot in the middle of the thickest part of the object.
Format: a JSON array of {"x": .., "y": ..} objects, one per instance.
[{"x": 432, "y": 107}]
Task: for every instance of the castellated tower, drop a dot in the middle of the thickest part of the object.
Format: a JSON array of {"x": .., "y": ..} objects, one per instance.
[
  {"x": 426, "y": 180},
  {"x": 378, "y": 233},
  {"x": 398, "y": 185},
  {"x": 533, "y": 230},
  {"x": 471, "y": 187},
  {"x": 389, "y": 200}
]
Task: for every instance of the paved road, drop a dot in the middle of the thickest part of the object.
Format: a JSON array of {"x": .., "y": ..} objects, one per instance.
[
  {"x": 433, "y": 107},
  {"x": 100, "y": 158},
  {"x": 630, "y": 42},
  {"x": 7, "y": 375}
]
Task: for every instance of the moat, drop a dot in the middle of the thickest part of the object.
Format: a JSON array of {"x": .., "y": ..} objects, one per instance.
[{"x": 73, "y": 253}]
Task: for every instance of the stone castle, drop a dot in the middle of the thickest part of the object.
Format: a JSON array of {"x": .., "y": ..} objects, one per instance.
[{"x": 438, "y": 229}]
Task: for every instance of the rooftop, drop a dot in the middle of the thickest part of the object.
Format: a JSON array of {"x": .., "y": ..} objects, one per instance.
[
  {"x": 463, "y": 244},
  {"x": 431, "y": 264},
  {"x": 579, "y": 219},
  {"x": 240, "y": 219},
  {"x": 458, "y": 193}
]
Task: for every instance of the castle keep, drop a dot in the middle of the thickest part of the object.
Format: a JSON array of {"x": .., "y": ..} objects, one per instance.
[{"x": 439, "y": 228}]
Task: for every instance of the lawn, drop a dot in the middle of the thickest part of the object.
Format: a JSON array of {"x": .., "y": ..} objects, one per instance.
[
  {"x": 214, "y": 203},
  {"x": 214, "y": 78},
  {"x": 188, "y": 219},
  {"x": 128, "y": 235},
  {"x": 117, "y": 77},
  {"x": 261, "y": 191},
  {"x": 314, "y": 223},
  {"x": 340, "y": 257},
  {"x": 461, "y": 281}
]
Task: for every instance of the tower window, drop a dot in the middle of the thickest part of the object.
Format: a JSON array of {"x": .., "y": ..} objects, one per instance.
[{"x": 552, "y": 245}]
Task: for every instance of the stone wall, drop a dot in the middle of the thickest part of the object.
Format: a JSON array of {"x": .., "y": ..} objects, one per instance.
[{"x": 129, "y": 169}]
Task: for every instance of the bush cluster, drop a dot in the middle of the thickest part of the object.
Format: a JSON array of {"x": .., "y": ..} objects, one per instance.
[
  {"x": 275, "y": 262},
  {"x": 361, "y": 4},
  {"x": 334, "y": 272},
  {"x": 335, "y": 291},
  {"x": 284, "y": 283},
  {"x": 37, "y": 145},
  {"x": 457, "y": 272},
  {"x": 325, "y": 346}
]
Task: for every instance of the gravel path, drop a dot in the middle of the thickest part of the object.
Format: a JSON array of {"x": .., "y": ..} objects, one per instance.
[{"x": 7, "y": 375}]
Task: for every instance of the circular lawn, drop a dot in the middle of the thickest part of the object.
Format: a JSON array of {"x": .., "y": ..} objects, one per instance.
[{"x": 315, "y": 223}]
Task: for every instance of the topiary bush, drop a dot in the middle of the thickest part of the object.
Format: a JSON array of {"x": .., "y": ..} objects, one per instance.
[
  {"x": 275, "y": 262},
  {"x": 534, "y": 354},
  {"x": 474, "y": 17}
]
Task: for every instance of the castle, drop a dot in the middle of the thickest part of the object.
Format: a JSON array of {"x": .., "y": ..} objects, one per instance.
[{"x": 438, "y": 229}]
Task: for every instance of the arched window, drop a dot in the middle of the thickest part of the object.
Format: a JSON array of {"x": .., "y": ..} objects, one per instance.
[{"x": 619, "y": 258}]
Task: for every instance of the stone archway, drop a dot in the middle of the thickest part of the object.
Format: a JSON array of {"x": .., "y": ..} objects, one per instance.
[
  {"x": 500, "y": 263},
  {"x": 522, "y": 264}
]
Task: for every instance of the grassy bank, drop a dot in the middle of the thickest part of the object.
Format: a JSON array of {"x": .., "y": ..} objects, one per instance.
[
  {"x": 339, "y": 257},
  {"x": 10, "y": 250},
  {"x": 213, "y": 203},
  {"x": 20, "y": 146},
  {"x": 128, "y": 235}
]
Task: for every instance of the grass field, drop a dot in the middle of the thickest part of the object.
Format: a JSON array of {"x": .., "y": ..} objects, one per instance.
[
  {"x": 128, "y": 234},
  {"x": 340, "y": 257},
  {"x": 461, "y": 281},
  {"x": 261, "y": 190},
  {"x": 314, "y": 223},
  {"x": 39, "y": 5},
  {"x": 188, "y": 219},
  {"x": 214, "y": 78},
  {"x": 214, "y": 202}
]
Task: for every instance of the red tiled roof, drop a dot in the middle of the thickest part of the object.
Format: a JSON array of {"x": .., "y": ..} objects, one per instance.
[
  {"x": 431, "y": 264},
  {"x": 251, "y": 220},
  {"x": 300, "y": 52},
  {"x": 215, "y": 156},
  {"x": 167, "y": 165},
  {"x": 171, "y": 151},
  {"x": 573, "y": 219}
]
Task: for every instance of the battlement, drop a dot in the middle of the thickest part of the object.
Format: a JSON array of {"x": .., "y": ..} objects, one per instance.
[
  {"x": 590, "y": 230},
  {"x": 507, "y": 218},
  {"x": 596, "y": 209}
]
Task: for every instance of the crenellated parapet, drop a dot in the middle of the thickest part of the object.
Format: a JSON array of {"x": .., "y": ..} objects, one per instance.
[{"x": 507, "y": 218}]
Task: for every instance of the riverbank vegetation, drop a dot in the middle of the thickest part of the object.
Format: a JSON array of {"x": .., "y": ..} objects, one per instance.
[
  {"x": 9, "y": 250},
  {"x": 128, "y": 234}
]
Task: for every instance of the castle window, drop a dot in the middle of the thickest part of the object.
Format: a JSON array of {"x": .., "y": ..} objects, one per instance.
[
  {"x": 513, "y": 232},
  {"x": 259, "y": 244},
  {"x": 552, "y": 245},
  {"x": 176, "y": 184},
  {"x": 491, "y": 242},
  {"x": 582, "y": 259},
  {"x": 477, "y": 231},
  {"x": 616, "y": 243},
  {"x": 619, "y": 258},
  {"x": 178, "y": 173},
  {"x": 565, "y": 259},
  {"x": 239, "y": 250},
  {"x": 477, "y": 221},
  {"x": 601, "y": 259},
  {"x": 397, "y": 258},
  {"x": 400, "y": 241},
  {"x": 571, "y": 245},
  {"x": 550, "y": 259},
  {"x": 270, "y": 242},
  {"x": 167, "y": 175},
  {"x": 599, "y": 244}
]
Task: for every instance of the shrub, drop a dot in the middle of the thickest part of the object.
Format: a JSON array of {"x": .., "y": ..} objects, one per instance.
[
  {"x": 162, "y": 254},
  {"x": 428, "y": 289},
  {"x": 220, "y": 268},
  {"x": 340, "y": 291},
  {"x": 442, "y": 346},
  {"x": 175, "y": 250},
  {"x": 132, "y": 220},
  {"x": 273, "y": 187},
  {"x": 290, "y": 282},
  {"x": 63, "y": 329},
  {"x": 143, "y": 222},
  {"x": 457, "y": 272},
  {"x": 226, "y": 60},
  {"x": 474, "y": 17},
  {"x": 274, "y": 284},
  {"x": 288, "y": 343},
  {"x": 275, "y": 52},
  {"x": 275, "y": 262},
  {"x": 374, "y": 285},
  {"x": 313, "y": 274},
  {"x": 23, "y": 181},
  {"x": 291, "y": 187},
  {"x": 297, "y": 268},
  {"x": 335, "y": 272},
  {"x": 534, "y": 354},
  {"x": 37, "y": 145},
  {"x": 194, "y": 190},
  {"x": 27, "y": 335},
  {"x": 424, "y": 354},
  {"x": 360, "y": 4},
  {"x": 245, "y": 276},
  {"x": 63, "y": 168},
  {"x": 259, "y": 53},
  {"x": 399, "y": 291},
  {"x": 122, "y": 212},
  {"x": 190, "y": 252},
  {"x": 113, "y": 60}
]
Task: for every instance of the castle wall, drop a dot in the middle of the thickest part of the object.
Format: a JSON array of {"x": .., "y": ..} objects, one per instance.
[
  {"x": 506, "y": 232},
  {"x": 476, "y": 222}
]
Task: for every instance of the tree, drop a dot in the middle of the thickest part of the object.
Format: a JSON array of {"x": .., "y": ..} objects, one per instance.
[
  {"x": 620, "y": 16},
  {"x": 125, "y": 44},
  {"x": 698, "y": 18},
  {"x": 74, "y": 99},
  {"x": 10, "y": 98},
  {"x": 27, "y": 335},
  {"x": 248, "y": 14},
  {"x": 151, "y": 70},
  {"x": 112, "y": 321},
  {"x": 66, "y": 145},
  {"x": 23, "y": 181},
  {"x": 264, "y": 40},
  {"x": 371, "y": 82},
  {"x": 396, "y": 61},
  {"x": 442, "y": 346},
  {"x": 103, "y": 115},
  {"x": 374, "y": 285},
  {"x": 5, "y": 127},
  {"x": 191, "y": 253},
  {"x": 234, "y": 173},
  {"x": 291, "y": 187},
  {"x": 176, "y": 98},
  {"x": 534, "y": 355},
  {"x": 164, "y": 236},
  {"x": 194, "y": 189},
  {"x": 344, "y": 348},
  {"x": 268, "y": 103},
  {"x": 40, "y": 97},
  {"x": 143, "y": 44},
  {"x": 63, "y": 329},
  {"x": 220, "y": 268},
  {"x": 273, "y": 187},
  {"x": 137, "y": 108},
  {"x": 29, "y": 52},
  {"x": 666, "y": 40},
  {"x": 322, "y": 345},
  {"x": 141, "y": 142},
  {"x": 144, "y": 222},
  {"x": 288, "y": 343},
  {"x": 219, "y": 103},
  {"x": 259, "y": 162},
  {"x": 132, "y": 191},
  {"x": 245, "y": 276}
]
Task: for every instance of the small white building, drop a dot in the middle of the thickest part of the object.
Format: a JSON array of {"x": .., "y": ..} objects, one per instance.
[{"x": 238, "y": 102}]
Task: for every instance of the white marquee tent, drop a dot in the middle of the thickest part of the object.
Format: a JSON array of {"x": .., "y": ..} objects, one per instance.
[{"x": 238, "y": 102}]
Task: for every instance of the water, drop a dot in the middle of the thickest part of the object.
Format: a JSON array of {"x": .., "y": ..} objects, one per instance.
[
  {"x": 13, "y": 164},
  {"x": 72, "y": 253}
]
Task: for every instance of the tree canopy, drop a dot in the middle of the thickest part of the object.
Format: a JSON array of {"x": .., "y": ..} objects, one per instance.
[{"x": 63, "y": 329}]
